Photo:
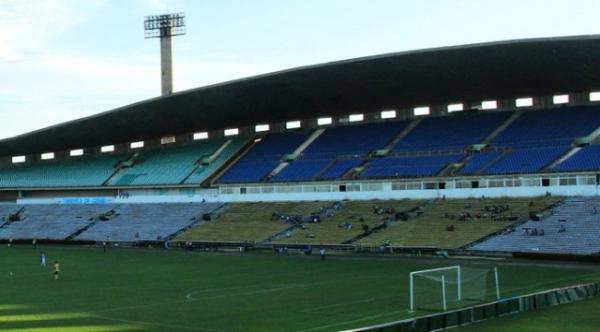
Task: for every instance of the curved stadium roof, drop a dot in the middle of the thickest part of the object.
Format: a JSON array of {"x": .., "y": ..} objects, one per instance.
[{"x": 468, "y": 73}]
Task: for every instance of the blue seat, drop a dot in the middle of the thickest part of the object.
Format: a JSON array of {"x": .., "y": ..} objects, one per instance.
[
  {"x": 478, "y": 161},
  {"x": 588, "y": 158},
  {"x": 338, "y": 149},
  {"x": 452, "y": 132},
  {"x": 526, "y": 160},
  {"x": 263, "y": 157},
  {"x": 409, "y": 166}
]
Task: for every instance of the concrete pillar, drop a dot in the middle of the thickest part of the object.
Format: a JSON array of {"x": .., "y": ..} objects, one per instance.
[{"x": 166, "y": 65}]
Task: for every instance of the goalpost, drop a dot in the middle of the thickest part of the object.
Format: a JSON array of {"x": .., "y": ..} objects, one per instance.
[{"x": 436, "y": 288}]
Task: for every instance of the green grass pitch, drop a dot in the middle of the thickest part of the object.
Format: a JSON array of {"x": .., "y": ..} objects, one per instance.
[
  {"x": 156, "y": 290},
  {"x": 580, "y": 316}
]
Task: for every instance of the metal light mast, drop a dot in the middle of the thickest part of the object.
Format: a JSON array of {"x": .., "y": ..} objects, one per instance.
[{"x": 165, "y": 27}]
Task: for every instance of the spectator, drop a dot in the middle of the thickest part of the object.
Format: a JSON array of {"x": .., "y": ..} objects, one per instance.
[
  {"x": 562, "y": 229},
  {"x": 42, "y": 259},
  {"x": 308, "y": 250}
]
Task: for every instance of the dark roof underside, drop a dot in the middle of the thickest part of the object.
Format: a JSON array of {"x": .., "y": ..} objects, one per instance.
[{"x": 430, "y": 77}]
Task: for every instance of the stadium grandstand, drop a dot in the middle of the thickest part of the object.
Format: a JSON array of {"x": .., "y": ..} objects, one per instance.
[
  {"x": 455, "y": 151},
  {"x": 389, "y": 140}
]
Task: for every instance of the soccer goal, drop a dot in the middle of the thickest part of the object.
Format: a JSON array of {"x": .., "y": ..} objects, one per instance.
[{"x": 436, "y": 289}]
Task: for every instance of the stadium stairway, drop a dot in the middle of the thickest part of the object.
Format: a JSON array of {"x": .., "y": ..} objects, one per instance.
[
  {"x": 297, "y": 152},
  {"x": 349, "y": 145},
  {"x": 588, "y": 158},
  {"x": 96, "y": 222},
  {"x": 264, "y": 156},
  {"x": 584, "y": 157},
  {"x": 325, "y": 169},
  {"x": 503, "y": 126},
  {"x": 205, "y": 167},
  {"x": 353, "y": 221},
  {"x": 491, "y": 162},
  {"x": 452, "y": 168},
  {"x": 564, "y": 157},
  {"x": 593, "y": 138},
  {"x": 50, "y": 221},
  {"x": 8, "y": 210},
  {"x": 237, "y": 156},
  {"x": 148, "y": 221},
  {"x": 166, "y": 165},
  {"x": 527, "y": 160},
  {"x": 459, "y": 167},
  {"x": 452, "y": 132},
  {"x": 282, "y": 233},
  {"x": 355, "y": 172},
  {"x": 130, "y": 161},
  {"x": 199, "y": 220},
  {"x": 580, "y": 219},
  {"x": 402, "y": 134},
  {"x": 207, "y": 160},
  {"x": 95, "y": 219},
  {"x": 543, "y": 213},
  {"x": 409, "y": 212}
]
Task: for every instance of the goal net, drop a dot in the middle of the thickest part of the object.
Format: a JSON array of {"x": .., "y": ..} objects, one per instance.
[{"x": 452, "y": 287}]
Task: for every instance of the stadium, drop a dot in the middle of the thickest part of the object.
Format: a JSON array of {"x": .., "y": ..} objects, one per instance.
[{"x": 453, "y": 187}]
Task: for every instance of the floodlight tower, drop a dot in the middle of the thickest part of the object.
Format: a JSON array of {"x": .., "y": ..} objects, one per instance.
[{"x": 165, "y": 27}]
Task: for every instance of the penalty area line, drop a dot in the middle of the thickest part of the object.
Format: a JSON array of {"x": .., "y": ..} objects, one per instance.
[
  {"x": 130, "y": 321},
  {"x": 352, "y": 321}
]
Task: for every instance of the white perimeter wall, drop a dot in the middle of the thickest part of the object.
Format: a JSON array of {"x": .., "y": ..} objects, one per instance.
[{"x": 385, "y": 193}]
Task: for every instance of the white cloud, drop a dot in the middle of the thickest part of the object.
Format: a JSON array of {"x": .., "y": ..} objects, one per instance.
[
  {"x": 49, "y": 85},
  {"x": 29, "y": 26},
  {"x": 54, "y": 87}
]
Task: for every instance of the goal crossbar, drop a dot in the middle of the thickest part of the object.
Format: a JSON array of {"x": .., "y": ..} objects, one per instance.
[
  {"x": 443, "y": 279},
  {"x": 458, "y": 284}
]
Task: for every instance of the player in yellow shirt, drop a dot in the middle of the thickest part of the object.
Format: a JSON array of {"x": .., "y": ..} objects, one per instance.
[{"x": 56, "y": 270}]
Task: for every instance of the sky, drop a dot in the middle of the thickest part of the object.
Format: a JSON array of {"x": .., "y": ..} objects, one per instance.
[{"x": 65, "y": 59}]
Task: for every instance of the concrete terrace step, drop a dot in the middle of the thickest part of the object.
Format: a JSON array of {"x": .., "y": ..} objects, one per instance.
[{"x": 582, "y": 235}]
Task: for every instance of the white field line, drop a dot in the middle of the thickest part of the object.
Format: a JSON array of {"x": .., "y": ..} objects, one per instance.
[
  {"x": 189, "y": 297},
  {"x": 341, "y": 304},
  {"x": 394, "y": 312},
  {"x": 139, "y": 322},
  {"x": 352, "y": 321}
]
